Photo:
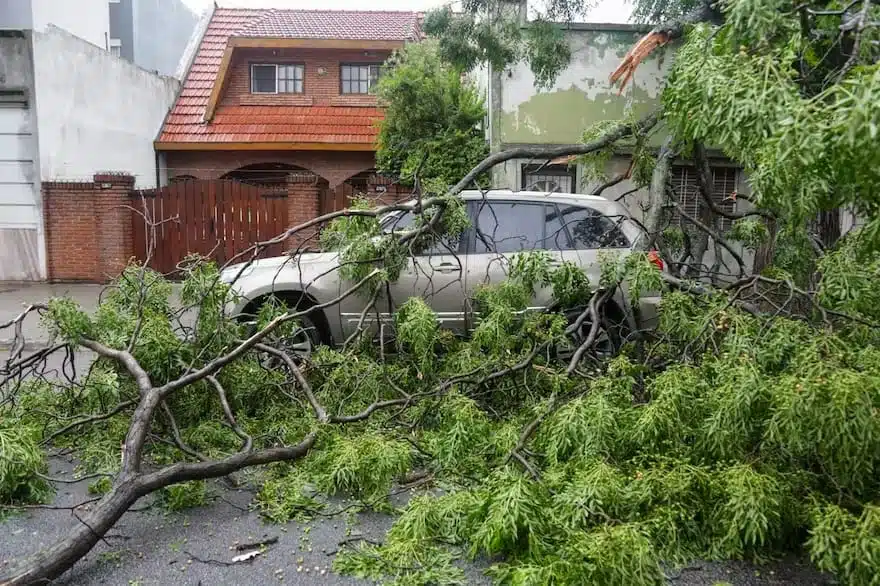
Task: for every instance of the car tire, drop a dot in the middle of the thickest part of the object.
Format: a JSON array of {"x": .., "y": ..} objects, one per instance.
[
  {"x": 301, "y": 343},
  {"x": 608, "y": 339}
]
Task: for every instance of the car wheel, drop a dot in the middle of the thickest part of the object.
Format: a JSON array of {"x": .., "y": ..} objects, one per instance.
[
  {"x": 606, "y": 343},
  {"x": 298, "y": 341}
]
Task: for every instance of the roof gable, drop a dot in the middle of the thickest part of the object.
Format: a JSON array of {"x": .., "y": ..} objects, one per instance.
[{"x": 201, "y": 87}]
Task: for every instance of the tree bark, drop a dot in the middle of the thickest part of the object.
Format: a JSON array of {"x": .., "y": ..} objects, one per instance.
[
  {"x": 829, "y": 227},
  {"x": 657, "y": 194},
  {"x": 765, "y": 253}
]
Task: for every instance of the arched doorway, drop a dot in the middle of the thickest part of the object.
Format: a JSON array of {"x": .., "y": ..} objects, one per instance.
[{"x": 265, "y": 174}]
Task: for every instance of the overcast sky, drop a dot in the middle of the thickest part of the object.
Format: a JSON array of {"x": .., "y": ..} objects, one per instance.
[{"x": 605, "y": 11}]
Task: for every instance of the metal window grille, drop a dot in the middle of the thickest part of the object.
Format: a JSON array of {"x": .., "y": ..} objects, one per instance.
[{"x": 687, "y": 191}]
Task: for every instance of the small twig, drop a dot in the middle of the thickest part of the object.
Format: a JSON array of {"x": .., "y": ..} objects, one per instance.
[{"x": 257, "y": 544}]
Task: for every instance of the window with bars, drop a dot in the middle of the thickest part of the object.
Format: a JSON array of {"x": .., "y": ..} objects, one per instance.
[
  {"x": 552, "y": 178},
  {"x": 687, "y": 191},
  {"x": 277, "y": 78},
  {"x": 358, "y": 79}
]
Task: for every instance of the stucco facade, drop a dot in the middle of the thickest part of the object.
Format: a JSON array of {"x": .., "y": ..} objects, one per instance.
[
  {"x": 582, "y": 94},
  {"x": 580, "y": 97},
  {"x": 96, "y": 112}
]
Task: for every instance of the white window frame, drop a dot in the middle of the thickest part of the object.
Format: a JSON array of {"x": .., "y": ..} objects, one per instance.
[
  {"x": 300, "y": 66},
  {"x": 371, "y": 80}
]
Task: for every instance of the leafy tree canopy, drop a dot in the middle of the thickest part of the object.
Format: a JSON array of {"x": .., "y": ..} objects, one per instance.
[
  {"x": 432, "y": 125},
  {"x": 495, "y": 32},
  {"x": 790, "y": 90}
]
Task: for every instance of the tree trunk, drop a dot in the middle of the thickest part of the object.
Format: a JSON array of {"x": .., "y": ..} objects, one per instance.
[
  {"x": 764, "y": 254},
  {"x": 706, "y": 183},
  {"x": 657, "y": 193},
  {"x": 51, "y": 563},
  {"x": 829, "y": 227}
]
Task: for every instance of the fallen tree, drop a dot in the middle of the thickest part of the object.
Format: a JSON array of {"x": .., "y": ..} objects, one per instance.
[{"x": 707, "y": 438}]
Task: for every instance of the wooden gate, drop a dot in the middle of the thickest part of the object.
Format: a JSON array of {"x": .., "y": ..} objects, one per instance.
[{"x": 216, "y": 219}]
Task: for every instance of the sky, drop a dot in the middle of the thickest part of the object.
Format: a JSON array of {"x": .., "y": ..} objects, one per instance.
[{"x": 605, "y": 11}]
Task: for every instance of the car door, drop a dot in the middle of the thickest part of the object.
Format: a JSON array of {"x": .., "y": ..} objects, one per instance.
[
  {"x": 590, "y": 232},
  {"x": 435, "y": 275},
  {"x": 501, "y": 229}
]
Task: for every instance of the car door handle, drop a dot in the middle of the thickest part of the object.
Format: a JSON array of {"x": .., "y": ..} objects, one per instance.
[{"x": 447, "y": 267}]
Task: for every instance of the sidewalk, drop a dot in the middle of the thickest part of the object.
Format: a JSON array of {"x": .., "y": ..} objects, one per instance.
[{"x": 15, "y": 297}]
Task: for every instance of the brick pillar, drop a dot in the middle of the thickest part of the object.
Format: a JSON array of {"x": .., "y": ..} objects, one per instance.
[
  {"x": 303, "y": 204},
  {"x": 115, "y": 244}
]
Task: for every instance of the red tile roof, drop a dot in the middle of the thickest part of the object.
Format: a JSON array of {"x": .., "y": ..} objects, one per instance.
[
  {"x": 336, "y": 24},
  {"x": 283, "y": 124},
  {"x": 293, "y": 124}
]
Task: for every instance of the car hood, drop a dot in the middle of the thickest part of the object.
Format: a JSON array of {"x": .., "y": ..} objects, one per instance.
[{"x": 305, "y": 263}]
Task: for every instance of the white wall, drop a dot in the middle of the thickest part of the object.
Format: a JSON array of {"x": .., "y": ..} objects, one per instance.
[
  {"x": 87, "y": 19},
  {"x": 96, "y": 112},
  {"x": 581, "y": 94},
  {"x": 176, "y": 22}
]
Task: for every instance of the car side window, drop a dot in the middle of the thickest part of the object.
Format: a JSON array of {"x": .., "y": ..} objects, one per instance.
[
  {"x": 555, "y": 233},
  {"x": 507, "y": 227},
  {"x": 404, "y": 221},
  {"x": 591, "y": 229}
]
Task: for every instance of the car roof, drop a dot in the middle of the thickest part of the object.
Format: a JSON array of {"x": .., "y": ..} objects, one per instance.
[
  {"x": 606, "y": 206},
  {"x": 552, "y": 196},
  {"x": 529, "y": 195}
]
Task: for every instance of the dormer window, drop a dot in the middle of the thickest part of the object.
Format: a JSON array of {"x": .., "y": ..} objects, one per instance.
[
  {"x": 277, "y": 78},
  {"x": 357, "y": 78}
]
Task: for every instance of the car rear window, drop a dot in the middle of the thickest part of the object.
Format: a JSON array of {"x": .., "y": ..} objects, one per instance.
[{"x": 590, "y": 229}]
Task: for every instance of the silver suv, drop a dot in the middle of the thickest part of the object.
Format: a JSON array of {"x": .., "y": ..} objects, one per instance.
[{"x": 570, "y": 227}]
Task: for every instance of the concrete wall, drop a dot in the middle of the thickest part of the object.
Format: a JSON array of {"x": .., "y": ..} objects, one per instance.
[
  {"x": 581, "y": 94},
  {"x": 96, "y": 112},
  {"x": 161, "y": 31},
  {"x": 87, "y": 19}
]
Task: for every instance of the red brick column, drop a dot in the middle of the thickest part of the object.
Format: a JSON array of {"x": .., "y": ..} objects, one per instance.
[
  {"x": 113, "y": 212},
  {"x": 88, "y": 228},
  {"x": 303, "y": 204}
]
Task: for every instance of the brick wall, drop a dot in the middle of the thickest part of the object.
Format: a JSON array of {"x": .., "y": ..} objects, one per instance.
[
  {"x": 89, "y": 224},
  {"x": 88, "y": 228},
  {"x": 319, "y": 89},
  {"x": 334, "y": 166}
]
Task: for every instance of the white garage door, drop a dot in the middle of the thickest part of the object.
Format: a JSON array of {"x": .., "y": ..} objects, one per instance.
[{"x": 20, "y": 230}]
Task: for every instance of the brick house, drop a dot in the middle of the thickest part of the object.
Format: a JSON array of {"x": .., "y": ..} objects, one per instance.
[{"x": 274, "y": 96}]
